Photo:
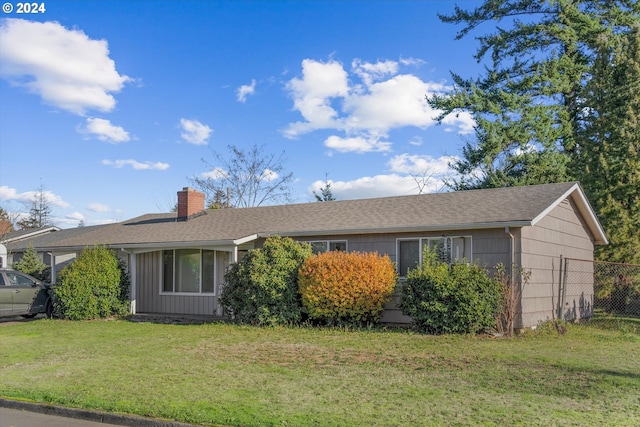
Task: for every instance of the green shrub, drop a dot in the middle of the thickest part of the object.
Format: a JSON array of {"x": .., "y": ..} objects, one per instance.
[
  {"x": 261, "y": 288},
  {"x": 340, "y": 288},
  {"x": 461, "y": 298},
  {"x": 30, "y": 264},
  {"x": 90, "y": 287}
]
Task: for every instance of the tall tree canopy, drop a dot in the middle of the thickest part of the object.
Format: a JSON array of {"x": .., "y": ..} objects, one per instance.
[
  {"x": 558, "y": 101},
  {"x": 528, "y": 102},
  {"x": 608, "y": 158}
]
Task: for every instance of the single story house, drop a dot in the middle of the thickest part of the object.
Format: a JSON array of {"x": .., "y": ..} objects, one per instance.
[
  {"x": 8, "y": 235},
  {"x": 532, "y": 227}
]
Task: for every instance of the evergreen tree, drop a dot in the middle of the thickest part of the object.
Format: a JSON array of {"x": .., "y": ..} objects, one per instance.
[
  {"x": 39, "y": 213},
  {"x": 608, "y": 161},
  {"x": 31, "y": 264},
  {"x": 527, "y": 105},
  {"x": 326, "y": 195}
]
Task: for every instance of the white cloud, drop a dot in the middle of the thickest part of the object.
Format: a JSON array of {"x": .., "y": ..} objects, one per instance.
[
  {"x": 415, "y": 62},
  {"x": 246, "y": 90},
  {"x": 136, "y": 164},
  {"x": 215, "y": 173},
  {"x": 410, "y": 174},
  {"x": 328, "y": 99},
  {"x": 312, "y": 95},
  {"x": 75, "y": 216},
  {"x": 10, "y": 194},
  {"x": 104, "y": 130},
  {"x": 378, "y": 186},
  {"x": 358, "y": 144},
  {"x": 393, "y": 103},
  {"x": 417, "y": 141},
  {"x": 64, "y": 67},
  {"x": 370, "y": 72},
  {"x": 269, "y": 175},
  {"x": 98, "y": 207},
  {"x": 195, "y": 132},
  {"x": 370, "y": 186},
  {"x": 461, "y": 121},
  {"x": 420, "y": 165},
  {"x": 219, "y": 173}
]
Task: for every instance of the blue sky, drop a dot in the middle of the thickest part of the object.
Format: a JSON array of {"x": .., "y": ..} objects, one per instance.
[{"x": 112, "y": 105}]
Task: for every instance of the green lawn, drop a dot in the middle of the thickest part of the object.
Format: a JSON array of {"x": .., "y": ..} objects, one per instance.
[{"x": 221, "y": 374}]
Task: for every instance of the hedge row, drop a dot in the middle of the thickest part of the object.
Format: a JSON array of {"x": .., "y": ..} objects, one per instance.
[{"x": 283, "y": 283}]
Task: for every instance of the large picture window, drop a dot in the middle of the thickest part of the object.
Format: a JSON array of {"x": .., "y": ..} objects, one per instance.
[
  {"x": 449, "y": 249},
  {"x": 188, "y": 271}
]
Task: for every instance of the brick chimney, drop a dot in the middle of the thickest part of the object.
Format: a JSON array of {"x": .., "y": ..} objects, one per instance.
[{"x": 190, "y": 202}]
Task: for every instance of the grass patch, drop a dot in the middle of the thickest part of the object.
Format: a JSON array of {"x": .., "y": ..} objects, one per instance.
[{"x": 221, "y": 374}]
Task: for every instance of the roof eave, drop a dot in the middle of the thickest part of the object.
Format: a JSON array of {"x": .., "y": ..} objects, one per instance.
[
  {"x": 585, "y": 209},
  {"x": 410, "y": 229}
]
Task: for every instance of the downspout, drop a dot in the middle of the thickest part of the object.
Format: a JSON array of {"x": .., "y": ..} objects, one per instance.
[
  {"x": 512, "y": 252},
  {"x": 132, "y": 275},
  {"x": 511, "y": 277},
  {"x": 52, "y": 265}
]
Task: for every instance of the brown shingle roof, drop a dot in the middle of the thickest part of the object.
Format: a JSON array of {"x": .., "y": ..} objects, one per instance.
[{"x": 489, "y": 208}]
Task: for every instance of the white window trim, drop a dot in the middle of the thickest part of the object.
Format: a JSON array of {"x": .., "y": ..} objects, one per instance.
[
  {"x": 190, "y": 294},
  {"x": 328, "y": 243},
  {"x": 420, "y": 240}
]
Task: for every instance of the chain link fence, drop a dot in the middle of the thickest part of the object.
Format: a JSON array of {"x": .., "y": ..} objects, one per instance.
[{"x": 591, "y": 287}]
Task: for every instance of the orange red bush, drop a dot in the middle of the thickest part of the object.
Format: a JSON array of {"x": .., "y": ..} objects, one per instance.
[{"x": 346, "y": 288}]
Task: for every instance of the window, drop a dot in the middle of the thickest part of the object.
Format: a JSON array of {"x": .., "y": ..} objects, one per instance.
[
  {"x": 449, "y": 249},
  {"x": 188, "y": 271},
  {"x": 328, "y": 245},
  {"x": 16, "y": 279}
]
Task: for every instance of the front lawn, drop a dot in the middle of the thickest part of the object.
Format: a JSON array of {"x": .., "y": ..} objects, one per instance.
[{"x": 221, "y": 374}]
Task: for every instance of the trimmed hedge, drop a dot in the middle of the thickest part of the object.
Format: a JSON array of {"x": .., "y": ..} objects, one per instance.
[
  {"x": 261, "y": 288},
  {"x": 340, "y": 288},
  {"x": 91, "y": 286},
  {"x": 441, "y": 299}
]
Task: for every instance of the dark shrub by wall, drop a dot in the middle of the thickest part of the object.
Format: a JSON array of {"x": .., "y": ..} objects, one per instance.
[
  {"x": 91, "y": 286},
  {"x": 461, "y": 298},
  {"x": 262, "y": 288}
]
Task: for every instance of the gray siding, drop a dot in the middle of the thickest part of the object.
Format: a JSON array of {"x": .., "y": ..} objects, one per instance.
[
  {"x": 561, "y": 233},
  {"x": 151, "y": 300},
  {"x": 489, "y": 247}
]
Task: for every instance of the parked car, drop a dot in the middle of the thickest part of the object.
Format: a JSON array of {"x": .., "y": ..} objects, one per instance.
[{"x": 23, "y": 295}]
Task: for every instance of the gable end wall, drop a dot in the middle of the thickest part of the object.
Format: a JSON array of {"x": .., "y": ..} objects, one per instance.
[{"x": 561, "y": 233}]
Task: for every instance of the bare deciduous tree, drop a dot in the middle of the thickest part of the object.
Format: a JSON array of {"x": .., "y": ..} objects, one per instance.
[{"x": 247, "y": 178}]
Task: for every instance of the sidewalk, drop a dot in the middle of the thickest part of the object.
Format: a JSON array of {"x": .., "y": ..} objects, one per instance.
[{"x": 15, "y": 413}]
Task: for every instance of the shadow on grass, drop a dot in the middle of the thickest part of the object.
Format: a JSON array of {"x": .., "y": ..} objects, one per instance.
[
  {"x": 167, "y": 319},
  {"x": 624, "y": 323}
]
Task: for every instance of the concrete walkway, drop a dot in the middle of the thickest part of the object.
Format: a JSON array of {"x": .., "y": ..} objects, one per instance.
[
  {"x": 20, "y": 418},
  {"x": 26, "y": 414}
]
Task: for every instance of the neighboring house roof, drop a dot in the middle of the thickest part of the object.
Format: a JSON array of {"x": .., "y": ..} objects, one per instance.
[
  {"x": 15, "y": 236},
  {"x": 471, "y": 209}
]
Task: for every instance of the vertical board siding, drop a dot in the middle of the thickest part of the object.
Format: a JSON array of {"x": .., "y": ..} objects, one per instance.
[{"x": 150, "y": 300}]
